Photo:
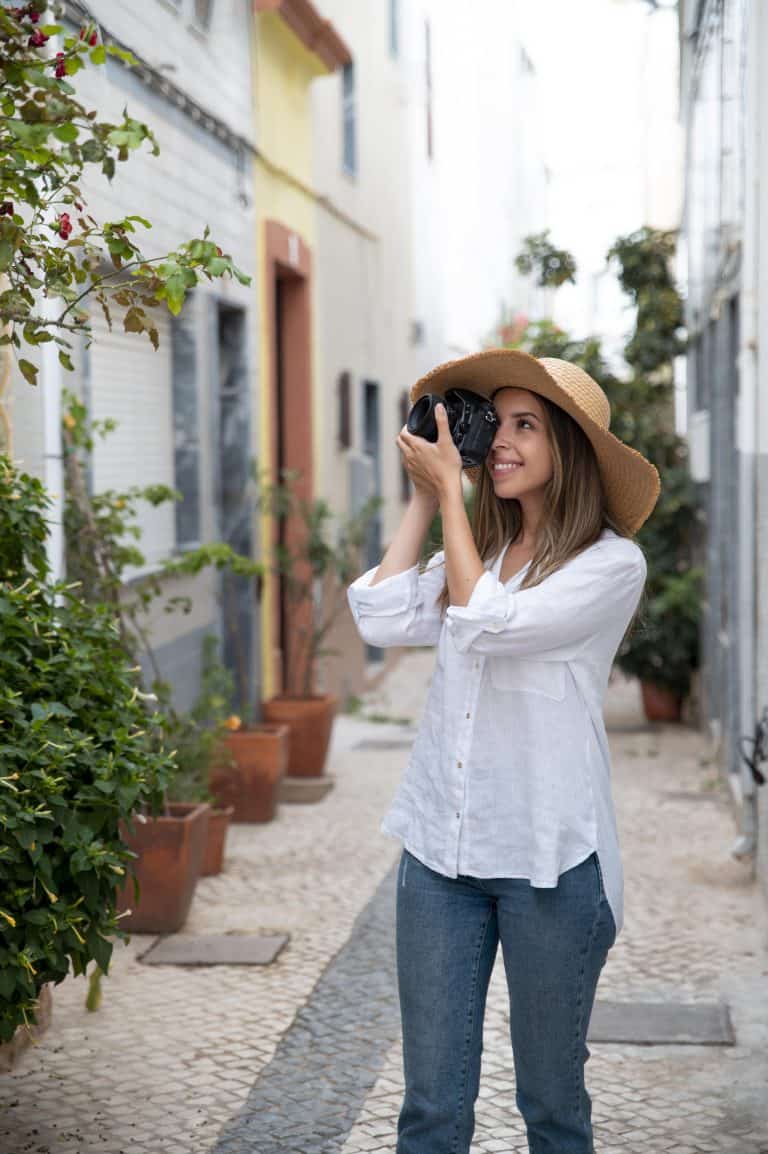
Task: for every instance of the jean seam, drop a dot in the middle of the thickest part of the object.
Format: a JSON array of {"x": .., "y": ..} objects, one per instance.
[
  {"x": 580, "y": 1087},
  {"x": 468, "y": 1038}
]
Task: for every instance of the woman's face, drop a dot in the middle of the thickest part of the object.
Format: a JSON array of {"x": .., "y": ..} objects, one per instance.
[{"x": 520, "y": 460}]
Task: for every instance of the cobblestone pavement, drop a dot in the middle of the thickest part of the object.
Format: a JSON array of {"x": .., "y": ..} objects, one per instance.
[{"x": 303, "y": 1056}]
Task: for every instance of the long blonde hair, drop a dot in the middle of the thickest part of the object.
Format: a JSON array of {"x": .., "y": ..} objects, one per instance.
[{"x": 574, "y": 512}]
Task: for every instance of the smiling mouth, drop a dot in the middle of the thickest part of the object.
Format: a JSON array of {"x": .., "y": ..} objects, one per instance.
[{"x": 505, "y": 467}]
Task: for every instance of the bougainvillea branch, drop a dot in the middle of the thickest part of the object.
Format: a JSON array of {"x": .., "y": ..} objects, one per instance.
[{"x": 50, "y": 245}]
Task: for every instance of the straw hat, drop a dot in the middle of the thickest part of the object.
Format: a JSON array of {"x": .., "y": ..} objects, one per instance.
[{"x": 631, "y": 483}]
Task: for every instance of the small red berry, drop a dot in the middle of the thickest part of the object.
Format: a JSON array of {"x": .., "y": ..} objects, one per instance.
[
  {"x": 34, "y": 16},
  {"x": 65, "y": 225},
  {"x": 61, "y": 68},
  {"x": 93, "y": 39},
  {"x": 6, "y": 208},
  {"x": 37, "y": 39}
]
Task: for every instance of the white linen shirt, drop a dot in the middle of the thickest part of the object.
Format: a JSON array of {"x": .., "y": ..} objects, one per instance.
[{"x": 509, "y": 774}]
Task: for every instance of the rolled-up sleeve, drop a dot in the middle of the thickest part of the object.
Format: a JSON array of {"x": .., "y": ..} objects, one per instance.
[
  {"x": 591, "y": 598},
  {"x": 401, "y": 609}
]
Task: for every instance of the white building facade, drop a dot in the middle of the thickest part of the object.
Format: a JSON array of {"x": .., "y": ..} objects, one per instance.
[
  {"x": 724, "y": 87},
  {"x": 428, "y": 177}
]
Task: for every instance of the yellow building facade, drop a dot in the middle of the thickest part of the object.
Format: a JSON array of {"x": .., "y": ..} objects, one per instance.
[{"x": 293, "y": 46}]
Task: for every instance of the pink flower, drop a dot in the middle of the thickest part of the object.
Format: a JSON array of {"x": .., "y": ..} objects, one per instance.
[
  {"x": 93, "y": 39},
  {"x": 65, "y": 225},
  {"x": 37, "y": 39},
  {"x": 6, "y": 208},
  {"x": 61, "y": 68}
]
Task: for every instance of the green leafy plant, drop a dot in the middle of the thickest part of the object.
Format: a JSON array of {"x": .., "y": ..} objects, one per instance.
[
  {"x": 80, "y": 750},
  {"x": 315, "y": 569},
  {"x": 663, "y": 646},
  {"x": 552, "y": 266},
  {"x": 51, "y": 248},
  {"x": 198, "y": 736}
]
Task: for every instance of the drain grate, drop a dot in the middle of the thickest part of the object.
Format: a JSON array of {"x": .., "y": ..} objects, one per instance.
[
  {"x": 689, "y": 795},
  {"x": 662, "y": 1023},
  {"x": 385, "y": 743},
  {"x": 215, "y": 950}
]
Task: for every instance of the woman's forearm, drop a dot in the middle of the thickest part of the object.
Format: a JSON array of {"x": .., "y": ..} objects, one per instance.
[
  {"x": 463, "y": 566},
  {"x": 405, "y": 548}
]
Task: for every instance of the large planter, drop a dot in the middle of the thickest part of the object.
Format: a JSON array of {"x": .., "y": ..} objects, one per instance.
[
  {"x": 250, "y": 785},
  {"x": 218, "y": 824},
  {"x": 660, "y": 704},
  {"x": 310, "y": 720},
  {"x": 171, "y": 852}
]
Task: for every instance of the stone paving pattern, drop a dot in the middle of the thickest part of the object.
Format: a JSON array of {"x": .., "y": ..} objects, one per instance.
[{"x": 180, "y": 1060}]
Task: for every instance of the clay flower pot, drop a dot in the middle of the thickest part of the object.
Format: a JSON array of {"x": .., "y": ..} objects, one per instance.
[
  {"x": 218, "y": 824},
  {"x": 311, "y": 721},
  {"x": 250, "y": 785},
  {"x": 660, "y": 704},
  {"x": 171, "y": 852}
]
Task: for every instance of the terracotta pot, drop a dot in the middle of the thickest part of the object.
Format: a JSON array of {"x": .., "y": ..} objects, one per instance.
[
  {"x": 218, "y": 824},
  {"x": 660, "y": 704},
  {"x": 251, "y": 785},
  {"x": 171, "y": 851},
  {"x": 311, "y": 721}
]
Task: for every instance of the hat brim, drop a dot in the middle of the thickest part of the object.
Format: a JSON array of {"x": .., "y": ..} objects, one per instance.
[{"x": 630, "y": 482}]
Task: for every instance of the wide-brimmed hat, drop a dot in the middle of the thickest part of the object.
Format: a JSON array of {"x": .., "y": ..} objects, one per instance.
[{"x": 630, "y": 482}]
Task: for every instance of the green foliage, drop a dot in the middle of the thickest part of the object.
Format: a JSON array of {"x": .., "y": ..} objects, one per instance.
[
  {"x": 310, "y": 564},
  {"x": 552, "y": 266},
  {"x": 51, "y": 248},
  {"x": 197, "y": 737},
  {"x": 80, "y": 749},
  {"x": 645, "y": 273},
  {"x": 663, "y": 647}
]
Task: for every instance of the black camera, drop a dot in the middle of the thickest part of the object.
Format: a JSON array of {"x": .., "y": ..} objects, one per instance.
[{"x": 471, "y": 418}]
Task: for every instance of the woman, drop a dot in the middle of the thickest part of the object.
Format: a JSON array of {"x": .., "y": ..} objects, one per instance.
[{"x": 505, "y": 810}]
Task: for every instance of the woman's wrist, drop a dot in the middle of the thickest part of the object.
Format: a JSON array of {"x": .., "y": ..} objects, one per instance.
[{"x": 426, "y": 500}]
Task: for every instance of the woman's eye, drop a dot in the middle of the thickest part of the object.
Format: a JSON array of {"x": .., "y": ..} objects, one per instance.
[{"x": 523, "y": 421}]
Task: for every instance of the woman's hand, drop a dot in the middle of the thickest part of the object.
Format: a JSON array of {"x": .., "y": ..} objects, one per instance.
[{"x": 435, "y": 468}]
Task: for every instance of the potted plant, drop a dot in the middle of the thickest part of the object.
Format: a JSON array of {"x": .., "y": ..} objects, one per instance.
[
  {"x": 662, "y": 649},
  {"x": 251, "y": 768},
  {"x": 314, "y": 574},
  {"x": 102, "y": 542},
  {"x": 82, "y": 749},
  {"x": 197, "y": 738}
]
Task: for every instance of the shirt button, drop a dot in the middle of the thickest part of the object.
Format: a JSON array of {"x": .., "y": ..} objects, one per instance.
[
  {"x": 459, "y": 764},
  {"x": 458, "y": 814},
  {"x": 467, "y": 715}
]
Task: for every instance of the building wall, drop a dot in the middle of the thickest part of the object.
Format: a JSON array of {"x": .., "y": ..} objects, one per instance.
[{"x": 723, "y": 87}]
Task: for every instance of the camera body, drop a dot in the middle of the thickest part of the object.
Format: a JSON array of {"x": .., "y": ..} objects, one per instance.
[{"x": 472, "y": 420}]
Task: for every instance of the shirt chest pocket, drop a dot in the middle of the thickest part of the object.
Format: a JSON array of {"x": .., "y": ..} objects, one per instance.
[{"x": 511, "y": 674}]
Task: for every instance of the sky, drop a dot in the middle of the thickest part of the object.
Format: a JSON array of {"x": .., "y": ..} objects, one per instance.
[{"x": 607, "y": 93}]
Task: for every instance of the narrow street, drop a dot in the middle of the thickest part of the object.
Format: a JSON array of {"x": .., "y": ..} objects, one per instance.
[{"x": 302, "y": 1056}]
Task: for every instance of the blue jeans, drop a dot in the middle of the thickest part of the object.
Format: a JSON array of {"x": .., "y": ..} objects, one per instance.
[{"x": 554, "y": 943}]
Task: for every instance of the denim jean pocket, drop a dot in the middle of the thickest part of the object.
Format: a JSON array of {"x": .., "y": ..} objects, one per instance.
[{"x": 599, "y": 872}]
